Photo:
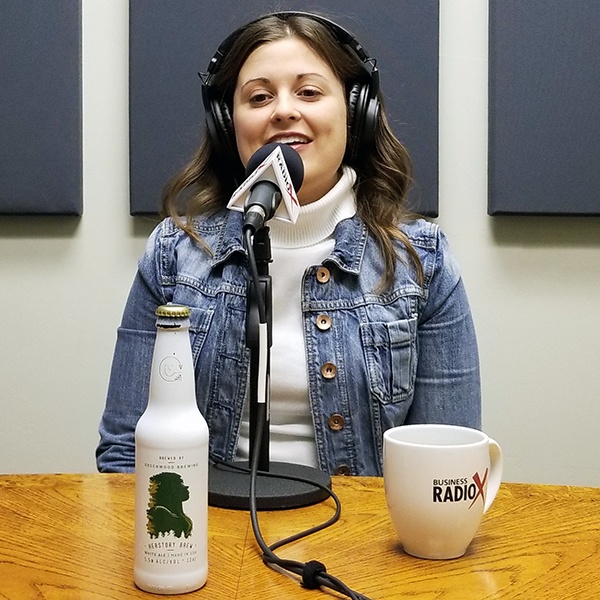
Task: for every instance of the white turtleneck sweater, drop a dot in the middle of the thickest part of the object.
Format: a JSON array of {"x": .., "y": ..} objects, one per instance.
[{"x": 295, "y": 247}]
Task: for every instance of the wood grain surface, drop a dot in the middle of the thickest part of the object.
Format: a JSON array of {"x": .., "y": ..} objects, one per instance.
[{"x": 66, "y": 537}]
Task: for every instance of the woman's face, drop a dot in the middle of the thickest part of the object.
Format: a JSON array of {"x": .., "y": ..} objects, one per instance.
[{"x": 286, "y": 93}]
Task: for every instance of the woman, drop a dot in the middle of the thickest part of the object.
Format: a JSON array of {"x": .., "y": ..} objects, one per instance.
[{"x": 371, "y": 324}]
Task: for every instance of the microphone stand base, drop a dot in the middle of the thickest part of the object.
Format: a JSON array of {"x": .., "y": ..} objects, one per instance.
[{"x": 230, "y": 488}]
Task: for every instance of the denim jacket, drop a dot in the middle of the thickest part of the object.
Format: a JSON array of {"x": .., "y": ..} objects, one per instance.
[{"x": 407, "y": 354}]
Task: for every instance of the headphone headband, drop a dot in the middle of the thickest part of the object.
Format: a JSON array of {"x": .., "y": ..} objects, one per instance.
[
  {"x": 342, "y": 35},
  {"x": 363, "y": 97}
]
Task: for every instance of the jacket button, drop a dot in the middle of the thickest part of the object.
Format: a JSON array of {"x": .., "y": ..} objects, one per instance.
[
  {"x": 323, "y": 322},
  {"x": 323, "y": 274},
  {"x": 342, "y": 470},
  {"x": 336, "y": 422},
  {"x": 328, "y": 370}
]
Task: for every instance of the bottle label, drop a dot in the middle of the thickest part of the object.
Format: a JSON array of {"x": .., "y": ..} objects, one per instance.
[{"x": 171, "y": 512}]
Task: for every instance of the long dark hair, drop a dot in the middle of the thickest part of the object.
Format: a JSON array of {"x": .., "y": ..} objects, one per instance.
[{"x": 384, "y": 175}]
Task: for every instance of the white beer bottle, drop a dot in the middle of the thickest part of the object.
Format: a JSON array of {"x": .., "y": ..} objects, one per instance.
[{"x": 171, "y": 467}]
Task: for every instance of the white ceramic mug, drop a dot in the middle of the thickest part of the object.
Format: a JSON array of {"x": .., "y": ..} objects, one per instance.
[{"x": 439, "y": 481}]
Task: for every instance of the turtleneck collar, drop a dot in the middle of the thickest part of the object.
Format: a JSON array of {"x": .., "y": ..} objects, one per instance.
[{"x": 317, "y": 220}]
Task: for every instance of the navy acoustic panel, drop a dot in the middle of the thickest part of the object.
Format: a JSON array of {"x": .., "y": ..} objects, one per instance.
[
  {"x": 544, "y": 101},
  {"x": 40, "y": 107},
  {"x": 170, "y": 42}
]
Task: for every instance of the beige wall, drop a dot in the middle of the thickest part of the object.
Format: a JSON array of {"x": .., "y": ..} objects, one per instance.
[{"x": 534, "y": 283}]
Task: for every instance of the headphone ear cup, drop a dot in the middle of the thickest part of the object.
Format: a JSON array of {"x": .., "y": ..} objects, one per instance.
[
  {"x": 214, "y": 121},
  {"x": 363, "y": 112},
  {"x": 219, "y": 126},
  {"x": 353, "y": 141},
  {"x": 224, "y": 137}
]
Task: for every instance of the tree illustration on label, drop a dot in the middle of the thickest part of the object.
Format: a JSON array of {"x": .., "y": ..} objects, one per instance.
[{"x": 165, "y": 513}]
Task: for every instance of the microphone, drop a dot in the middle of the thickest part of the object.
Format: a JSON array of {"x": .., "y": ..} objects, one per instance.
[{"x": 274, "y": 173}]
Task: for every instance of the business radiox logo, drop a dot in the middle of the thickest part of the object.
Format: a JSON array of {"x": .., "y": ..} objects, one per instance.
[{"x": 461, "y": 489}]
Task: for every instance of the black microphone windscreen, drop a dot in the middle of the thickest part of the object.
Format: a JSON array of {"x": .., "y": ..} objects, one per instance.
[{"x": 293, "y": 162}]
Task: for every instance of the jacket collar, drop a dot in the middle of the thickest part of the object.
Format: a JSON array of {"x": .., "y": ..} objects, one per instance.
[
  {"x": 350, "y": 241},
  {"x": 229, "y": 239}
]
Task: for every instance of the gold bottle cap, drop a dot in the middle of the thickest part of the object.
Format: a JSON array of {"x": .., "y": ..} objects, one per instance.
[{"x": 173, "y": 311}]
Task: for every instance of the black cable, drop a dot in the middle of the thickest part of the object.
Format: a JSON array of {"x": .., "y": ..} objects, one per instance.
[
  {"x": 262, "y": 311},
  {"x": 313, "y": 573},
  {"x": 338, "y": 509}
]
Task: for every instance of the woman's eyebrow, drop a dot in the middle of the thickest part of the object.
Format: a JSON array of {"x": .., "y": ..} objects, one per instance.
[{"x": 266, "y": 80}]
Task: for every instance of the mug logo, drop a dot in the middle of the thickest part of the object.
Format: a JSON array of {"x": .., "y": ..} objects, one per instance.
[
  {"x": 480, "y": 485},
  {"x": 460, "y": 490}
]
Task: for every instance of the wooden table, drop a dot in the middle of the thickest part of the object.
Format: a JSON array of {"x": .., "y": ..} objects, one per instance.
[{"x": 65, "y": 537}]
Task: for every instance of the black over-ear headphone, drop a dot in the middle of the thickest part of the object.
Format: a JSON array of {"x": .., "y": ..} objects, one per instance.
[{"x": 363, "y": 96}]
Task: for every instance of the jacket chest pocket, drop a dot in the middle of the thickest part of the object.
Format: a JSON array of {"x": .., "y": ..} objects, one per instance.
[{"x": 390, "y": 355}]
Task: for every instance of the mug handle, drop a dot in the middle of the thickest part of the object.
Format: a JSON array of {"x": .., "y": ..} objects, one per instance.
[{"x": 495, "y": 476}]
